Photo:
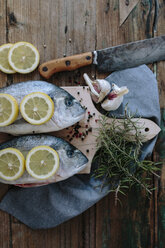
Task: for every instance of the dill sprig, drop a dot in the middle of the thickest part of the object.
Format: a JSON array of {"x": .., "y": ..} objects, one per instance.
[{"x": 118, "y": 157}]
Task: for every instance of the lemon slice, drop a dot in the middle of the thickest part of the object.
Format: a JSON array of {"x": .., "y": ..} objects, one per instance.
[
  {"x": 4, "y": 64},
  {"x": 23, "y": 57},
  {"x": 8, "y": 109},
  {"x": 37, "y": 108},
  {"x": 42, "y": 162},
  {"x": 12, "y": 164}
]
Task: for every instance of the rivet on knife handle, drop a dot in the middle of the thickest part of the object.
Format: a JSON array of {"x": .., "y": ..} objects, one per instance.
[{"x": 70, "y": 63}]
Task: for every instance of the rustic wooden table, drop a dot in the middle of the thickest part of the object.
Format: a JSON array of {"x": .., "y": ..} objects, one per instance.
[{"x": 68, "y": 27}]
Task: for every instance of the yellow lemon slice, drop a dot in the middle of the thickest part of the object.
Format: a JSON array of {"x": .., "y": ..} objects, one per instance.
[
  {"x": 8, "y": 109},
  {"x": 42, "y": 162},
  {"x": 37, "y": 108},
  {"x": 12, "y": 164},
  {"x": 23, "y": 57},
  {"x": 4, "y": 64}
]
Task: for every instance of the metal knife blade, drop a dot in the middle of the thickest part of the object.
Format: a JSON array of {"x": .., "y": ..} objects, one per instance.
[
  {"x": 130, "y": 54},
  {"x": 110, "y": 59}
]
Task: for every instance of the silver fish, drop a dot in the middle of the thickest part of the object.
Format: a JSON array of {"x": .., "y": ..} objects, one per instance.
[
  {"x": 72, "y": 160},
  {"x": 67, "y": 112}
]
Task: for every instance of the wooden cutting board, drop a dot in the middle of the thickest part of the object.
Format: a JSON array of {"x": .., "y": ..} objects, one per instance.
[{"x": 88, "y": 145}]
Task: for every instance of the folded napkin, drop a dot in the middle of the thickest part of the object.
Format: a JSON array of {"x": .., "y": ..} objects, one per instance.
[{"x": 50, "y": 205}]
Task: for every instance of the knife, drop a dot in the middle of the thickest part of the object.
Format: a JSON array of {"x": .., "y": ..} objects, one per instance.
[{"x": 110, "y": 59}]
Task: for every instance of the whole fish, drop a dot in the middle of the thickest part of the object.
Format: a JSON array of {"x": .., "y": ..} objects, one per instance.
[
  {"x": 67, "y": 111},
  {"x": 72, "y": 160}
]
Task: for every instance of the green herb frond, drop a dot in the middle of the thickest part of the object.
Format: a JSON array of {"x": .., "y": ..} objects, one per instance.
[{"x": 119, "y": 146}]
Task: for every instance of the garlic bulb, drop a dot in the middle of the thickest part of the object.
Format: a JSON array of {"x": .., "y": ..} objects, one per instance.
[
  {"x": 99, "y": 88},
  {"x": 114, "y": 98}
]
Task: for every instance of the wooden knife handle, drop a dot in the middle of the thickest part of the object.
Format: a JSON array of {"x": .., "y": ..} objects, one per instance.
[{"x": 70, "y": 63}]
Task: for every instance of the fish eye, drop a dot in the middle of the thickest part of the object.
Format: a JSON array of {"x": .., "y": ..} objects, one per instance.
[
  {"x": 70, "y": 153},
  {"x": 68, "y": 102}
]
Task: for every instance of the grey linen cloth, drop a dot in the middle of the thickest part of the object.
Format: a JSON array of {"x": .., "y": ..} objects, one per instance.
[{"x": 51, "y": 205}]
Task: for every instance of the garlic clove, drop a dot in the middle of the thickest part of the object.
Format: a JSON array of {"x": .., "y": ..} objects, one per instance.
[
  {"x": 105, "y": 88},
  {"x": 99, "y": 88},
  {"x": 89, "y": 82},
  {"x": 115, "y": 98},
  {"x": 123, "y": 91},
  {"x": 111, "y": 105}
]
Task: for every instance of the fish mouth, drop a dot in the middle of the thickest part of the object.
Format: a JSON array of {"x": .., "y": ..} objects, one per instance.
[
  {"x": 80, "y": 117},
  {"x": 82, "y": 165}
]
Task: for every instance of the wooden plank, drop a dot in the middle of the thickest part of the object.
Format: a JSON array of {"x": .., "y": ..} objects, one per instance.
[
  {"x": 160, "y": 148},
  {"x": 132, "y": 224},
  {"x": 3, "y": 37},
  {"x": 125, "y": 8},
  {"x": 5, "y": 233}
]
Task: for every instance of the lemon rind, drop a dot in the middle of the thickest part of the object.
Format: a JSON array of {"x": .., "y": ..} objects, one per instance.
[
  {"x": 15, "y": 107},
  {"x": 37, "y": 57},
  {"x": 51, "y": 104},
  {"x": 22, "y": 163},
  {"x": 32, "y": 151},
  {"x": 3, "y": 69}
]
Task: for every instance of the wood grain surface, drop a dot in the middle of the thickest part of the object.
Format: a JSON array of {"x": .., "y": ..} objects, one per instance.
[{"x": 67, "y": 27}]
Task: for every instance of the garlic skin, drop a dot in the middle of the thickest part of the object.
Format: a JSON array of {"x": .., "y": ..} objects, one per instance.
[
  {"x": 111, "y": 105},
  {"x": 115, "y": 98},
  {"x": 99, "y": 88}
]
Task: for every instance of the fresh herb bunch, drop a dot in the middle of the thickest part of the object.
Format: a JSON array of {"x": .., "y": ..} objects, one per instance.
[{"x": 118, "y": 157}]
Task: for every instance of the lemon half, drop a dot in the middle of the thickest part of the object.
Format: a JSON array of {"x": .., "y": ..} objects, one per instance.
[
  {"x": 8, "y": 109},
  {"x": 12, "y": 164},
  {"x": 42, "y": 162},
  {"x": 4, "y": 64},
  {"x": 37, "y": 108},
  {"x": 23, "y": 57}
]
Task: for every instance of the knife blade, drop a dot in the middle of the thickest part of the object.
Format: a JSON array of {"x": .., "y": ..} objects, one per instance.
[{"x": 110, "y": 59}]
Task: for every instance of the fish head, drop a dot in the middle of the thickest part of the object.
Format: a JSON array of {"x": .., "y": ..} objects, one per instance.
[
  {"x": 68, "y": 110},
  {"x": 72, "y": 160}
]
